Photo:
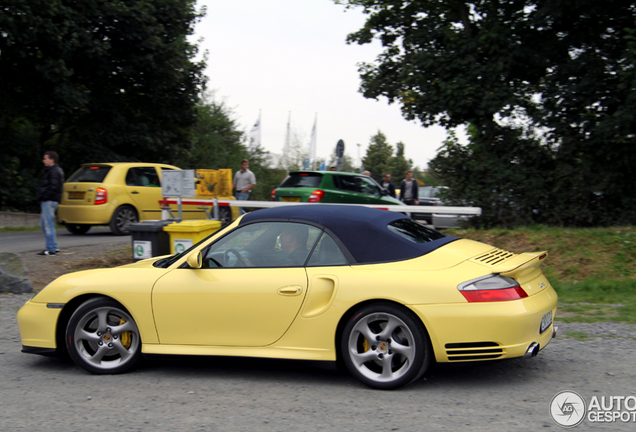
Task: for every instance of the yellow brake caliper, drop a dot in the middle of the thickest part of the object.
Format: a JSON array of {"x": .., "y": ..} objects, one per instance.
[{"x": 126, "y": 337}]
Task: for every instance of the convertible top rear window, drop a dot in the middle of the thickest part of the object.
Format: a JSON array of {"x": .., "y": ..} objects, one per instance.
[
  {"x": 414, "y": 231},
  {"x": 90, "y": 174},
  {"x": 302, "y": 180}
]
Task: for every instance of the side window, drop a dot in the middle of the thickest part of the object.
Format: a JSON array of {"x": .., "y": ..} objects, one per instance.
[
  {"x": 369, "y": 186},
  {"x": 348, "y": 183},
  {"x": 143, "y": 176},
  {"x": 327, "y": 253},
  {"x": 268, "y": 244}
]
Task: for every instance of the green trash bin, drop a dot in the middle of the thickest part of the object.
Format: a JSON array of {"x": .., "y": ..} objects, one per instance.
[
  {"x": 187, "y": 233},
  {"x": 149, "y": 239}
]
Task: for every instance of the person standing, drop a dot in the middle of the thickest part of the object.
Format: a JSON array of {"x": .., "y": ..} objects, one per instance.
[
  {"x": 244, "y": 181},
  {"x": 387, "y": 185},
  {"x": 49, "y": 196},
  {"x": 409, "y": 190}
]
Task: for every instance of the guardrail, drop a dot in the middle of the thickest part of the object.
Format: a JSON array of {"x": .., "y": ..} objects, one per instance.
[{"x": 269, "y": 204}]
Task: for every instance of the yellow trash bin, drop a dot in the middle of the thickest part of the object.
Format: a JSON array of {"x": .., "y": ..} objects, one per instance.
[{"x": 186, "y": 233}]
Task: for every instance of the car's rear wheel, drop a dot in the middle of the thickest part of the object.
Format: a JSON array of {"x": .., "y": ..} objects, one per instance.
[
  {"x": 123, "y": 216},
  {"x": 78, "y": 228},
  {"x": 385, "y": 346},
  {"x": 102, "y": 337}
]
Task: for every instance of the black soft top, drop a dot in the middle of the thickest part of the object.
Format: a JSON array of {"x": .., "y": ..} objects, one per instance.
[{"x": 362, "y": 231}]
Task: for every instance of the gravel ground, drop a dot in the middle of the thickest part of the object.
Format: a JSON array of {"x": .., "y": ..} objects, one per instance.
[
  {"x": 38, "y": 393},
  {"x": 44, "y": 269}
]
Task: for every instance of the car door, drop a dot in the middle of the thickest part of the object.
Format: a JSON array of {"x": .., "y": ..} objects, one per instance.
[
  {"x": 348, "y": 189},
  {"x": 246, "y": 294},
  {"x": 143, "y": 186},
  {"x": 371, "y": 191}
]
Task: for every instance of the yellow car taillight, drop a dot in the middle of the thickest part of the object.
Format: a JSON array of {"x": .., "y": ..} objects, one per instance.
[{"x": 101, "y": 196}]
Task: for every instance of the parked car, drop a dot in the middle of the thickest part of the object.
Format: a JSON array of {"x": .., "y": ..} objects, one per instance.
[
  {"x": 383, "y": 293},
  {"x": 117, "y": 194},
  {"x": 427, "y": 196},
  {"x": 331, "y": 187}
]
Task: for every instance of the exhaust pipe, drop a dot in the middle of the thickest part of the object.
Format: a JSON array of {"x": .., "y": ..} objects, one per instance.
[{"x": 532, "y": 351}]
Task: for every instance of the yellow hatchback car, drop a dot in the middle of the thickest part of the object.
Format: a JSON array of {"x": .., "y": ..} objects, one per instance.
[{"x": 117, "y": 194}]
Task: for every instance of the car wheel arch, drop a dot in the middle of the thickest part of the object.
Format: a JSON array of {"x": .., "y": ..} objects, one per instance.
[
  {"x": 357, "y": 307},
  {"x": 67, "y": 312}
]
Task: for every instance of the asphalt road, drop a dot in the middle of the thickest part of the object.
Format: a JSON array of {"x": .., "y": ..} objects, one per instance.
[
  {"x": 229, "y": 394},
  {"x": 18, "y": 242}
]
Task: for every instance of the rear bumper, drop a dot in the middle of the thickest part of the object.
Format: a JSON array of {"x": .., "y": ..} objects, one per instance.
[
  {"x": 488, "y": 331},
  {"x": 84, "y": 214}
]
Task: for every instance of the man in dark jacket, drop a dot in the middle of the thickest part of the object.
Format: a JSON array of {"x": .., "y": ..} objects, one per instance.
[
  {"x": 49, "y": 196},
  {"x": 387, "y": 185},
  {"x": 409, "y": 193}
]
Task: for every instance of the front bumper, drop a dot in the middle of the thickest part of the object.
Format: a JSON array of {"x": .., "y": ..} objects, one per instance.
[{"x": 37, "y": 324}]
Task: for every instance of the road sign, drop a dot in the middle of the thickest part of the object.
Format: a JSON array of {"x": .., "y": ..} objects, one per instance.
[
  {"x": 340, "y": 148},
  {"x": 178, "y": 183}
]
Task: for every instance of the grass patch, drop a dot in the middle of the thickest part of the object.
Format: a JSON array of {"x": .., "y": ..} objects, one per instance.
[
  {"x": 580, "y": 336},
  {"x": 592, "y": 269}
]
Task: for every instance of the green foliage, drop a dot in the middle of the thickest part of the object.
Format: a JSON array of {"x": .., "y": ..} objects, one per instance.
[
  {"x": 378, "y": 157},
  {"x": 216, "y": 141},
  {"x": 564, "y": 68},
  {"x": 95, "y": 81},
  {"x": 380, "y": 160}
]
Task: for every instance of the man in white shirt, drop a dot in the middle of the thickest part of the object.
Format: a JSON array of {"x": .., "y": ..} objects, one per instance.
[{"x": 244, "y": 181}]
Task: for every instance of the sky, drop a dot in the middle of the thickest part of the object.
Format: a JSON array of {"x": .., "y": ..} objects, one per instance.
[{"x": 289, "y": 59}]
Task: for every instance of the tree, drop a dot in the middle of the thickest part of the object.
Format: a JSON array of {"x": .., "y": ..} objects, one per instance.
[
  {"x": 97, "y": 80},
  {"x": 399, "y": 163},
  {"x": 564, "y": 66},
  {"x": 216, "y": 141},
  {"x": 379, "y": 156}
]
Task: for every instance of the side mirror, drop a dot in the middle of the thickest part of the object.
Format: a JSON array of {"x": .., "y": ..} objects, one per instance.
[{"x": 194, "y": 260}]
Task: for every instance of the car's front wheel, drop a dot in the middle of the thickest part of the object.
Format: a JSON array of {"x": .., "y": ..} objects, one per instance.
[
  {"x": 78, "y": 229},
  {"x": 123, "y": 216},
  {"x": 385, "y": 346},
  {"x": 102, "y": 337}
]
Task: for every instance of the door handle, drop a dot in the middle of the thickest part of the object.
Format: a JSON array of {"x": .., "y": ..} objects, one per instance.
[
  {"x": 134, "y": 192},
  {"x": 290, "y": 290}
]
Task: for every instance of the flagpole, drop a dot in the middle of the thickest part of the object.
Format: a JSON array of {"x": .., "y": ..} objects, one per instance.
[
  {"x": 286, "y": 148},
  {"x": 312, "y": 147}
]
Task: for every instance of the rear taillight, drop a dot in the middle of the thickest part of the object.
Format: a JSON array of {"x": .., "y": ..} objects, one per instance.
[
  {"x": 492, "y": 288},
  {"x": 316, "y": 195},
  {"x": 101, "y": 196},
  {"x": 273, "y": 195}
]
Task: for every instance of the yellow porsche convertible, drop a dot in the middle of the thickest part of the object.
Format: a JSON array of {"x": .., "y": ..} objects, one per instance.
[{"x": 374, "y": 289}]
